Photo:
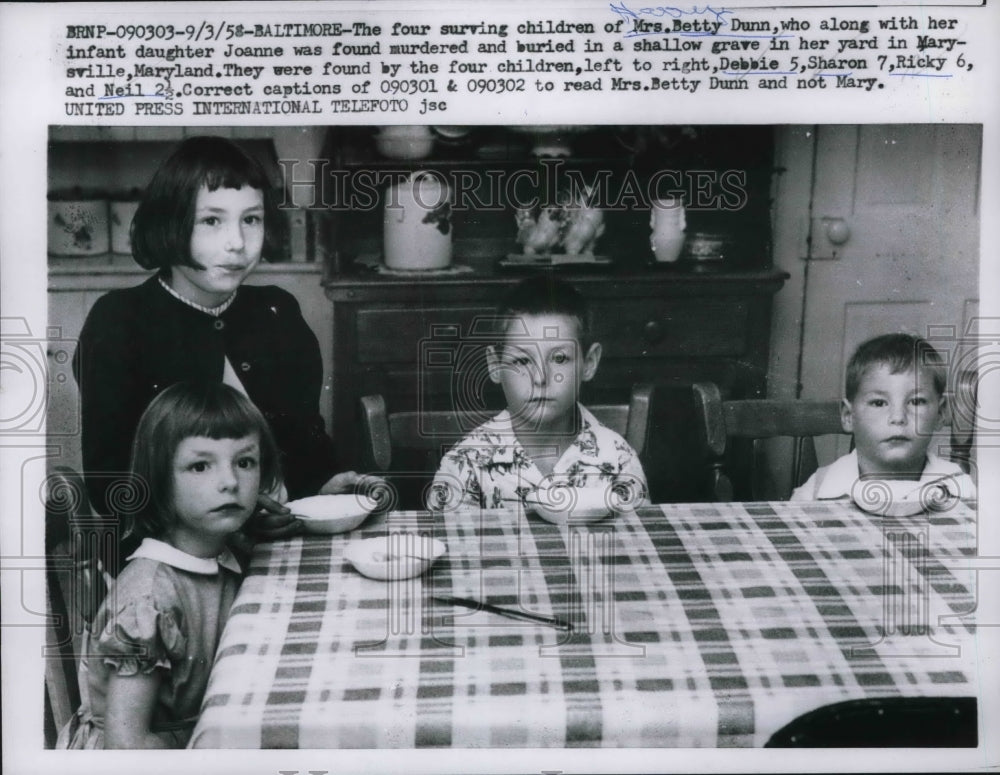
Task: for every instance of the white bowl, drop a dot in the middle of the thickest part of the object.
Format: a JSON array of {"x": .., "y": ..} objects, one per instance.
[
  {"x": 394, "y": 556},
  {"x": 331, "y": 514},
  {"x": 900, "y": 498},
  {"x": 561, "y": 504}
]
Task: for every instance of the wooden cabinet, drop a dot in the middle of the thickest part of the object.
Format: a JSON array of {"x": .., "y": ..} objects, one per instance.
[{"x": 420, "y": 342}]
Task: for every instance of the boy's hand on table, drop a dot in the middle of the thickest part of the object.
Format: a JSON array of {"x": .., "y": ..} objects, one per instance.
[
  {"x": 351, "y": 481},
  {"x": 373, "y": 487}
]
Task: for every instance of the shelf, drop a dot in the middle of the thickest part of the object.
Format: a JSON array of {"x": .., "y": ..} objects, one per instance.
[
  {"x": 118, "y": 263},
  {"x": 486, "y": 285},
  {"x": 67, "y": 273},
  {"x": 468, "y": 161}
]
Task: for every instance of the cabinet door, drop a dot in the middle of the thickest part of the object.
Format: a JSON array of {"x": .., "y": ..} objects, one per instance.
[{"x": 67, "y": 311}]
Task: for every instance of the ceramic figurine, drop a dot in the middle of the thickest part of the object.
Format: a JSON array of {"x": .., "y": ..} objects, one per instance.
[
  {"x": 585, "y": 224},
  {"x": 539, "y": 235}
]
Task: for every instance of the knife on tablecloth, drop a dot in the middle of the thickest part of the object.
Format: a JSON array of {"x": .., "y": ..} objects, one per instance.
[{"x": 511, "y": 613}]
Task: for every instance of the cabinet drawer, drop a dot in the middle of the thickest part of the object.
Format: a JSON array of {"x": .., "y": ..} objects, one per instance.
[
  {"x": 673, "y": 327},
  {"x": 406, "y": 335},
  {"x": 645, "y": 327}
]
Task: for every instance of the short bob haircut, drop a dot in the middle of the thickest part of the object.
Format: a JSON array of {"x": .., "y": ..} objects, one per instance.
[
  {"x": 183, "y": 410},
  {"x": 898, "y": 353},
  {"x": 163, "y": 223},
  {"x": 544, "y": 294}
]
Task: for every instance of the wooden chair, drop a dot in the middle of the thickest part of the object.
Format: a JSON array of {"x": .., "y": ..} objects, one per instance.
[
  {"x": 75, "y": 586},
  {"x": 964, "y": 408},
  {"x": 411, "y": 443},
  {"x": 725, "y": 424}
]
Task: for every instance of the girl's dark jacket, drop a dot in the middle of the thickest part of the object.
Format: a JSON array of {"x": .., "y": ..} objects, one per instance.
[{"x": 138, "y": 341}]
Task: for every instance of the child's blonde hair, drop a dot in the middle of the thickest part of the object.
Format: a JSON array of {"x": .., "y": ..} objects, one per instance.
[
  {"x": 898, "y": 353},
  {"x": 183, "y": 410}
]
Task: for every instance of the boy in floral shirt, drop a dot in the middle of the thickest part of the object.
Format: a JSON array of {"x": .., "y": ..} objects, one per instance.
[{"x": 544, "y": 436}]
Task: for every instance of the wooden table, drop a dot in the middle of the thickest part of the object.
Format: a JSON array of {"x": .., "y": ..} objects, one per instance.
[{"x": 694, "y": 625}]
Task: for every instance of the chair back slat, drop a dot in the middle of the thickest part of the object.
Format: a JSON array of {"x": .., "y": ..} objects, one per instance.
[
  {"x": 766, "y": 419},
  {"x": 962, "y": 415},
  {"x": 804, "y": 460},
  {"x": 614, "y": 416},
  {"x": 724, "y": 424},
  {"x": 630, "y": 420},
  {"x": 413, "y": 430},
  {"x": 76, "y": 547}
]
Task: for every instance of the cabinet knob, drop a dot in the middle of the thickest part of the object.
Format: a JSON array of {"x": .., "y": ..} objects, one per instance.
[
  {"x": 652, "y": 332},
  {"x": 837, "y": 231}
]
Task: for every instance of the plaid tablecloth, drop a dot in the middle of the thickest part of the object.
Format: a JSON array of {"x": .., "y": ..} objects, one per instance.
[{"x": 695, "y": 625}]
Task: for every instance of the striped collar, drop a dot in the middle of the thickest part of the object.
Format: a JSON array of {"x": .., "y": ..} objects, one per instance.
[{"x": 213, "y": 311}]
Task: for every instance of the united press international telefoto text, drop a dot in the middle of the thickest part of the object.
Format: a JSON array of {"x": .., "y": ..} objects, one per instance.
[{"x": 288, "y": 68}]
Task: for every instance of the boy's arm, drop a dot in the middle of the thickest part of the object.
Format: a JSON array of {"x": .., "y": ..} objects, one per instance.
[
  {"x": 457, "y": 482},
  {"x": 447, "y": 491},
  {"x": 631, "y": 469}
]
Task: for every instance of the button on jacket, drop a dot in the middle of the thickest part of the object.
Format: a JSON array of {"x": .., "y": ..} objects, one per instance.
[{"x": 138, "y": 341}]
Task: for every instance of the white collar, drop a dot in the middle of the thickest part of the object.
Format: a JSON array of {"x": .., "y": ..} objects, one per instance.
[
  {"x": 503, "y": 424},
  {"x": 213, "y": 311},
  {"x": 841, "y": 475},
  {"x": 161, "y": 551}
]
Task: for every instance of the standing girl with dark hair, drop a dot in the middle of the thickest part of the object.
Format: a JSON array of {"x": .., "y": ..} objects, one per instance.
[{"x": 207, "y": 218}]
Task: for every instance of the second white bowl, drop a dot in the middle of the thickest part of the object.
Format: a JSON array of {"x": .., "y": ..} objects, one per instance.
[
  {"x": 560, "y": 505},
  {"x": 394, "y": 556}
]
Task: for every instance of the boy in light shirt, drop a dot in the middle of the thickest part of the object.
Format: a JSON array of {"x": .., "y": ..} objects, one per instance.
[
  {"x": 544, "y": 436},
  {"x": 894, "y": 402}
]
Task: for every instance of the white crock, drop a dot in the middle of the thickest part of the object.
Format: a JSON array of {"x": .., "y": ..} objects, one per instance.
[{"x": 417, "y": 223}]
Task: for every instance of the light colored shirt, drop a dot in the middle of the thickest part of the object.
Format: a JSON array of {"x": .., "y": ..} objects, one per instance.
[
  {"x": 839, "y": 479},
  {"x": 490, "y": 468}
]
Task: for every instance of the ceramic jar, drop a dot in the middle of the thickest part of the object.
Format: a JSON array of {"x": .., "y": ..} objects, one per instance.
[{"x": 417, "y": 223}]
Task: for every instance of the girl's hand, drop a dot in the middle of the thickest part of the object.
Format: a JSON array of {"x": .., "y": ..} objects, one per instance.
[{"x": 272, "y": 521}]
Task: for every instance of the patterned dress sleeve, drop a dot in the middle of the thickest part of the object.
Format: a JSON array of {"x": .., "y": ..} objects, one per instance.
[{"x": 139, "y": 635}]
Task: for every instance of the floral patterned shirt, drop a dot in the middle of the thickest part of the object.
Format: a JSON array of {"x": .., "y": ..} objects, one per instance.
[{"x": 490, "y": 468}]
